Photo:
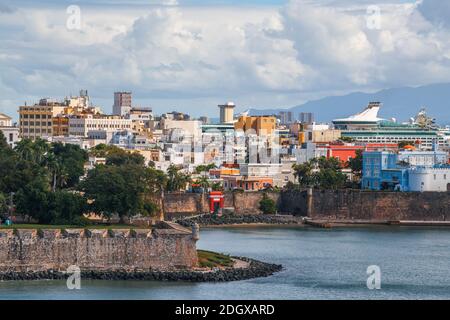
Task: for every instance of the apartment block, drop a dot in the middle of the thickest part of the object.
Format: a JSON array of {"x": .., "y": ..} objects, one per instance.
[
  {"x": 80, "y": 125},
  {"x": 37, "y": 121}
]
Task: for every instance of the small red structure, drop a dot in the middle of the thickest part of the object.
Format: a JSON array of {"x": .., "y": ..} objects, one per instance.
[
  {"x": 343, "y": 152},
  {"x": 216, "y": 201}
]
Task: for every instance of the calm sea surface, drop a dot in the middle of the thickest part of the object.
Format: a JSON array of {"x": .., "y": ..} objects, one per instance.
[{"x": 318, "y": 264}]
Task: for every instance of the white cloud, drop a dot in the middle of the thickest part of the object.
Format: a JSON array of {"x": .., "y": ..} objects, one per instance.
[{"x": 260, "y": 56}]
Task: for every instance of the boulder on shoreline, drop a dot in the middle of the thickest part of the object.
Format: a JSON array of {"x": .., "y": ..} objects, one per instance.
[{"x": 254, "y": 269}]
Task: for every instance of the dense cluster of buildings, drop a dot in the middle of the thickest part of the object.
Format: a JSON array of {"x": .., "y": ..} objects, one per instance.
[{"x": 249, "y": 152}]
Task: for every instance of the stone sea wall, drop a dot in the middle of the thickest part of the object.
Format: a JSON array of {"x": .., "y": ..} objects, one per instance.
[
  {"x": 325, "y": 204},
  {"x": 169, "y": 247},
  {"x": 178, "y": 205},
  {"x": 367, "y": 205}
]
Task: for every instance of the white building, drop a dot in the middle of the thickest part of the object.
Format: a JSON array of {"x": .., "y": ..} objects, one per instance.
[
  {"x": 81, "y": 125},
  {"x": 186, "y": 128},
  {"x": 10, "y": 132},
  {"x": 423, "y": 158},
  {"x": 5, "y": 121},
  {"x": 11, "y": 135},
  {"x": 308, "y": 152},
  {"x": 83, "y": 143},
  {"x": 424, "y": 179}
]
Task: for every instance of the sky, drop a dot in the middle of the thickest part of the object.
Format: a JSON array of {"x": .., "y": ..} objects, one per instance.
[{"x": 191, "y": 55}]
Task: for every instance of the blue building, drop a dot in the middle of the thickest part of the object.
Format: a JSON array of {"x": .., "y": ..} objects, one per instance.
[
  {"x": 406, "y": 171},
  {"x": 382, "y": 171}
]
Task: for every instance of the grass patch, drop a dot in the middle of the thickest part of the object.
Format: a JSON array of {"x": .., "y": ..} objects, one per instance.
[{"x": 208, "y": 259}]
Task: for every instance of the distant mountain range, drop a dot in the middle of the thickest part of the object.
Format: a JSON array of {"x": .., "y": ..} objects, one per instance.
[{"x": 400, "y": 103}]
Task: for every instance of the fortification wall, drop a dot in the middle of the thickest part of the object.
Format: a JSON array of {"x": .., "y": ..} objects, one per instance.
[
  {"x": 182, "y": 204},
  {"x": 185, "y": 204},
  {"x": 325, "y": 204},
  {"x": 368, "y": 205},
  {"x": 170, "y": 248},
  {"x": 247, "y": 203}
]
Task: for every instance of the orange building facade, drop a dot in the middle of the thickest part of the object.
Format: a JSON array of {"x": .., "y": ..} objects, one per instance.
[{"x": 261, "y": 125}]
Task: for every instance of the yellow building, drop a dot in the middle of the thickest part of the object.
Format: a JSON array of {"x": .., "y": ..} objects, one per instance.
[
  {"x": 261, "y": 125},
  {"x": 37, "y": 121},
  {"x": 325, "y": 136},
  {"x": 60, "y": 125}
]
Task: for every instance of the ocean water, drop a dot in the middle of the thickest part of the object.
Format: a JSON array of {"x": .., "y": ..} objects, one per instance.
[{"x": 318, "y": 264}]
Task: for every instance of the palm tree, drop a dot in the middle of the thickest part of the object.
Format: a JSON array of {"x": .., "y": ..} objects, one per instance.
[
  {"x": 203, "y": 182},
  {"x": 24, "y": 149}
]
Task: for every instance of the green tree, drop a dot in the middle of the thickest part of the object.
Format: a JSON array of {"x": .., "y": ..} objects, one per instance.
[
  {"x": 176, "y": 180},
  {"x": 70, "y": 160},
  {"x": 122, "y": 157},
  {"x": 118, "y": 190},
  {"x": 217, "y": 186},
  {"x": 156, "y": 181},
  {"x": 67, "y": 207},
  {"x": 304, "y": 173},
  {"x": 321, "y": 173},
  {"x": 116, "y": 156},
  {"x": 356, "y": 164},
  {"x": 33, "y": 200},
  {"x": 267, "y": 205},
  {"x": 331, "y": 179},
  {"x": 34, "y": 151},
  {"x": 3, "y": 203},
  {"x": 204, "y": 168},
  {"x": 203, "y": 182}
]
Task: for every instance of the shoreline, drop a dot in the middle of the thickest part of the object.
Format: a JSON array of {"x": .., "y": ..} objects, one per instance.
[
  {"x": 286, "y": 221},
  {"x": 244, "y": 269}
]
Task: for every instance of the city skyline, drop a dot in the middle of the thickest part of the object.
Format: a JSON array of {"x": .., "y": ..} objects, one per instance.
[{"x": 191, "y": 55}]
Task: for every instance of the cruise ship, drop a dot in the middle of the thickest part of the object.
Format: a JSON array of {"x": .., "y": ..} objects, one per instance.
[{"x": 366, "y": 126}]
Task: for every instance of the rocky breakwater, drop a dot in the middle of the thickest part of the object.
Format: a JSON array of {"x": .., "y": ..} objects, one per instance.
[
  {"x": 166, "y": 253},
  {"x": 244, "y": 269},
  {"x": 209, "y": 220}
]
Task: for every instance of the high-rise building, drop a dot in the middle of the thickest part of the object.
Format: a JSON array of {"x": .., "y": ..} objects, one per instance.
[
  {"x": 122, "y": 103},
  {"x": 227, "y": 112},
  {"x": 286, "y": 117},
  {"x": 306, "y": 117}
]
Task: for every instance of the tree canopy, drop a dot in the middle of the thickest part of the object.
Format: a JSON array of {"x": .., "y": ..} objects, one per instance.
[{"x": 321, "y": 172}]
